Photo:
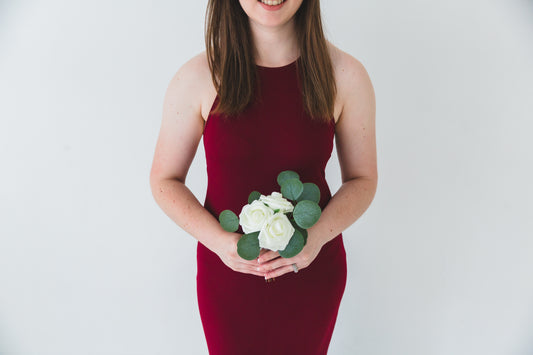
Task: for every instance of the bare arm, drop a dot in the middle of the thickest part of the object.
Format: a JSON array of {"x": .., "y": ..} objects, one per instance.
[
  {"x": 356, "y": 148},
  {"x": 180, "y": 204},
  {"x": 180, "y": 133},
  {"x": 181, "y": 129}
]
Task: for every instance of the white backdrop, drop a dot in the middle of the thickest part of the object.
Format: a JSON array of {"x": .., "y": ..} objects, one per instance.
[{"x": 441, "y": 263}]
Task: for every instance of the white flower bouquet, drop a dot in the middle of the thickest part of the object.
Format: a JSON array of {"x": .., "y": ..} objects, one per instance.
[{"x": 278, "y": 222}]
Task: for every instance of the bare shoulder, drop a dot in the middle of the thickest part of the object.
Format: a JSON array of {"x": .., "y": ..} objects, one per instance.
[
  {"x": 206, "y": 88},
  {"x": 208, "y": 91},
  {"x": 196, "y": 83},
  {"x": 351, "y": 77},
  {"x": 182, "y": 123}
]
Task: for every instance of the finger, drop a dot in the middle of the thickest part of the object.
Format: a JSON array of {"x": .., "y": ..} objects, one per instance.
[
  {"x": 242, "y": 260},
  {"x": 261, "y": 255},
  {"x": 252, "y": 270},
  {"x": 269, "y": 255},
  {"x": 279, "y": 271},
  {"x": 275, "y": 263},
  {"x": 247, "y": 264}
]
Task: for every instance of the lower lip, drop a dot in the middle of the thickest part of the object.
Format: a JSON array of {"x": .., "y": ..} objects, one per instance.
[{"x": 272, "y": 8}]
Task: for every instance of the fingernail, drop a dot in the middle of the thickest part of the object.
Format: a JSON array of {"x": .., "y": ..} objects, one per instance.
[{"x": 258, "y": 261}]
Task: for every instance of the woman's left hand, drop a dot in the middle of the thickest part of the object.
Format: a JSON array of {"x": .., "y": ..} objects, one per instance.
[{"x": 273, "y": 265}]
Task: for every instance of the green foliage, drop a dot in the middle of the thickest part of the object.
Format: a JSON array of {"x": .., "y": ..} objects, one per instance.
[
  {"x": 310, "y": 192},
  {"x": 292, "y": 188},
  {"x": 248, "y": 246},
  {"x": 302, "y": 231},
  {"x": 295, "y": 245},
  {"x": 285, "y": 175},
  {"x": 229, "y": 221},
  {"x": 306, "y": 213},
  {"x": 254, "y": 195}
]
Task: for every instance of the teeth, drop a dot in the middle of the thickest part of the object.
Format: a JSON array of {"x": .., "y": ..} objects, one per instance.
[{"x": 271, "y": 3}]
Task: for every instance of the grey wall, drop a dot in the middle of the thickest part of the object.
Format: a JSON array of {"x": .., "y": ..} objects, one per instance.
[{"x": 441, "y": 263}]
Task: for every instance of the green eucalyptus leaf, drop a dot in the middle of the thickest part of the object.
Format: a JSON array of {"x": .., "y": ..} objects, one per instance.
[
  {"x": 311, "y": 192},
  {"x": 303, "y": 231},
  {"x": 292, "y": 189},
  {"x": 254, "y": 195},
  {"x": 285, "y": 175},
  {"x": 229, "y": 221},
  {"x": 306, "y": 213},
  {"x": 295, "y": 245},
  {"x": 248, "y": 246},
  {"x": 304, "y": 234}
]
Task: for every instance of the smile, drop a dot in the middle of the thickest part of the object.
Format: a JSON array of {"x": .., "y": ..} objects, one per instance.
[{"x": 271, "y": 2}]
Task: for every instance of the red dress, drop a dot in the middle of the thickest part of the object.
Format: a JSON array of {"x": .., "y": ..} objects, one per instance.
[{"x": 242, "y": 314}]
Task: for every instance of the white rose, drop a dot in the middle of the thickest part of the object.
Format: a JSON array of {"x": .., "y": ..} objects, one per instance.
[
  {"x": 276, "y": 233},
  {"x": 253, "y": 216},
  {"x": 276, "y": 201}
]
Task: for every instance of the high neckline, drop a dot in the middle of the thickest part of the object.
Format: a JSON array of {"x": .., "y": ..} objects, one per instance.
[{"x": 278, "y": 68}]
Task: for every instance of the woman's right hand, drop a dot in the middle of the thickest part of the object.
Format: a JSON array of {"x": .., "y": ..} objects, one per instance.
[{"x": 227, "y": 252}]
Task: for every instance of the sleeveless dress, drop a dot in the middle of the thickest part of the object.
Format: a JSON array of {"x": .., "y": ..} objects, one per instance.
[{"x": 242, "y": 314}]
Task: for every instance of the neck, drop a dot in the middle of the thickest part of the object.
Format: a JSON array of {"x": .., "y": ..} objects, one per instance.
[{"x": 274, "y": 46}]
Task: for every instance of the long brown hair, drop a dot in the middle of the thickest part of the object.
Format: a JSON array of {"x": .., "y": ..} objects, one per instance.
[{"x": 230, "y": 48}]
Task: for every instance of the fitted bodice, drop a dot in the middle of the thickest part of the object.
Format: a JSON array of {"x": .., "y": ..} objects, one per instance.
[{"x": 246, "y": 152}]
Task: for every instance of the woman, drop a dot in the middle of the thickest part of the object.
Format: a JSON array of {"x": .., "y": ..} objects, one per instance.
[{"x": 267, "y": 95}]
